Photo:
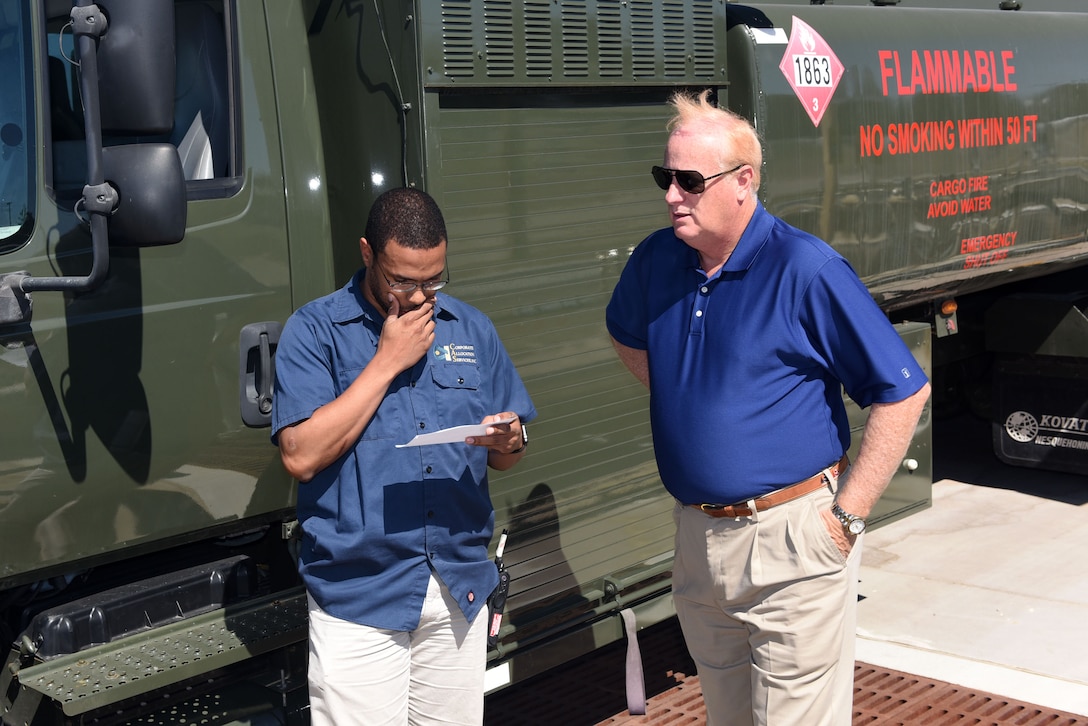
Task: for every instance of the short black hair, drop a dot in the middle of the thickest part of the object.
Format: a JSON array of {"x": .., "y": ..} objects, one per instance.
[{"x": 409, "y": 216}]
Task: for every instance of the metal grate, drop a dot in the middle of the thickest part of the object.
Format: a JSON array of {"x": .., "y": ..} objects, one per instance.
[
  {"x": 591, "y": 692},
  {"x": 883, "y": 696}
]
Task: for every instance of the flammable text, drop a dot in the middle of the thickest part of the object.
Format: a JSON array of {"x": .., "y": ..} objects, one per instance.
[{"x": 947, "y": 71}]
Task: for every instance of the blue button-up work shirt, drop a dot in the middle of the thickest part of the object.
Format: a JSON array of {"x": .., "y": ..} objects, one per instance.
[{"x": 378, "y": 519}]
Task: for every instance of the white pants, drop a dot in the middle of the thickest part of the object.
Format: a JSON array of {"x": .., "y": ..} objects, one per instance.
[{"x": 369, "y": 676}]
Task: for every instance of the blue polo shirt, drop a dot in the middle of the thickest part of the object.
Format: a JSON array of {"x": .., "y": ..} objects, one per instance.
[
  {"x": 747, "y": 366},
  {"x": 378, "y": 519}
]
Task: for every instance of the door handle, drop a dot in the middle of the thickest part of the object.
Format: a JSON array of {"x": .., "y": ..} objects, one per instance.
[{"x": 257, "y": 371}]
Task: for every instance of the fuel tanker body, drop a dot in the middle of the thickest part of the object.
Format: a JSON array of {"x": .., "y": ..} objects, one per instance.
[
  {"x": 176, "y": 176},
  {"x": 945, "y": 153}
]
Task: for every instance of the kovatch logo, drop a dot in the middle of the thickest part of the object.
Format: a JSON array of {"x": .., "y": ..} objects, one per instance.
[{"x": 1066, "y": 432}]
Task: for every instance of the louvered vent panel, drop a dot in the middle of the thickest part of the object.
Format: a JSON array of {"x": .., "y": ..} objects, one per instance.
[
  {"x": 499, "y": 38},
  {"x": 543, "y": 42},
  {"x": 674, "y": 38},
  {"x": 538, "y": 38},
  {"x": 457, "y": 44},
  {"x": 703, "y": 38},
  {"x": 610, "y": 38},
  {"x": 643, "y": 47},
  {"x": 575, "y": 39}
]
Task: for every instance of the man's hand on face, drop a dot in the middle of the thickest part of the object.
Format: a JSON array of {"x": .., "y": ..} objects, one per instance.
[{"x": 406, "y": 337}]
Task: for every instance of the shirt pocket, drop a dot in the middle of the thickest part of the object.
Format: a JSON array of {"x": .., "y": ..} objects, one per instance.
[{"x": 458, "y": 395}]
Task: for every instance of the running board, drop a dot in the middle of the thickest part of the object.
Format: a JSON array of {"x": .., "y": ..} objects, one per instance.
[{"x": 106, "y": 674}]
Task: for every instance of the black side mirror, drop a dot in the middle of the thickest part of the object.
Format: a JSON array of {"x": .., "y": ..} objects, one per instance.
[
  {"x": 150, "y": 188},
  {"x": 134, "y": 194},
  {"x": 136, "y": 67}
]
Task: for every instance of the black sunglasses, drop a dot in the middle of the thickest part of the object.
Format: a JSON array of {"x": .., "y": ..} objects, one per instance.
[{"x": 691, "y": 182}]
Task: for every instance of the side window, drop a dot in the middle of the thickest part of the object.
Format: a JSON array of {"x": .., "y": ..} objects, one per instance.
[
  {"x": 202, "y": 108},
  {"x": 204, "y": 124},
  {"x": 17, "y": 132}
]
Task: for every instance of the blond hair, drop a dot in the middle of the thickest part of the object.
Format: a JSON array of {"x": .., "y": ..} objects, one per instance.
[{"x": 738, "y": 142}]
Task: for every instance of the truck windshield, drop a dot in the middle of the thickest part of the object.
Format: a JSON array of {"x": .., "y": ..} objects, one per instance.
[{"x": 16, "y": 130}]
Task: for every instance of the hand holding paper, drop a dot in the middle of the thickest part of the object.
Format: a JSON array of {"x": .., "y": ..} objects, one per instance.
[{"x": 455, "y": 434}]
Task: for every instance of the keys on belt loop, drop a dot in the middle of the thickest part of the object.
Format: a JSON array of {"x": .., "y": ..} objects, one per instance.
[{"x": 833, "y": 472}]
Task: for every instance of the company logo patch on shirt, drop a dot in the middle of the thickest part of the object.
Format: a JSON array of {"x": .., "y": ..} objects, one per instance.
[{"x": 456, "y": 353}]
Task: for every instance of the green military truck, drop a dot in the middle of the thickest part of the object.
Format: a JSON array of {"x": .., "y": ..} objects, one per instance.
[{"x": 177, "y": 176}]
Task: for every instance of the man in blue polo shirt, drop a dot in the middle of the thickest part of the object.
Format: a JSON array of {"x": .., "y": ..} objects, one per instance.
[
  {"x": 746, "y": 330},
  {"x": 395, "y": 539}
]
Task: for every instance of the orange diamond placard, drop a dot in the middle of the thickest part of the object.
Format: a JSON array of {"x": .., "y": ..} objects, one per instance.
[{"x": 811, "y": 68}]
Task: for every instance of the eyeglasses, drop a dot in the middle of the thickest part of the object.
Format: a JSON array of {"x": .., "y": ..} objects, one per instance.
[
  {"x": 691, "y": 182},
  {"x": 406, "y": 287}
]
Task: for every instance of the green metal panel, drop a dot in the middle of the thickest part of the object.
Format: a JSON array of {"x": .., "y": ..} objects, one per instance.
[
  {"x": 545, "y": 195},
  {"x": 911, "y": 487},
  {"x": 366, "y": 89},
  {"x": 305, "y": 180}
]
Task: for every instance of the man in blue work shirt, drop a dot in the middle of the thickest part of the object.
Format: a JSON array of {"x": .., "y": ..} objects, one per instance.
[
  {"x": 395, "y": 539},
  {"x": 746, "y": 330}
]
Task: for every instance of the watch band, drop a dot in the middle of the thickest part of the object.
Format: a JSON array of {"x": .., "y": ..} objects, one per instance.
[
  {"x": 852, "y": 523},
  {"x": 524, "y": 441}
]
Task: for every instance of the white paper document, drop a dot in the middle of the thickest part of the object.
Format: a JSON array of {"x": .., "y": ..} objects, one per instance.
[{"x": 455, "y": 434}]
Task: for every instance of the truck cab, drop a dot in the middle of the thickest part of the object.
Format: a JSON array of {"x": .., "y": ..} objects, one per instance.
[{"x": 177, "y": 176}]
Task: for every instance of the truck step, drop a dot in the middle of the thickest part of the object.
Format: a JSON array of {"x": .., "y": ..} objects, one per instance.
[{"x": 139, "y": 663}]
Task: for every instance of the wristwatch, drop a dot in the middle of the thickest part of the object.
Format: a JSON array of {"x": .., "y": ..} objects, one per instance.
[
  {"x": 852, "y": 523},
  {"x": 524, "y": 440}
]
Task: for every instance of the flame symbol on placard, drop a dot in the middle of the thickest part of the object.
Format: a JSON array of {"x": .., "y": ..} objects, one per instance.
[{"x": 808, "y": 42}]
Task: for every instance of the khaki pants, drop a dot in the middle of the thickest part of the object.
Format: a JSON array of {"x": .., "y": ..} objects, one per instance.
[
  {"x": 370, "y": 677},
  {"x": 768, "y": 607}
]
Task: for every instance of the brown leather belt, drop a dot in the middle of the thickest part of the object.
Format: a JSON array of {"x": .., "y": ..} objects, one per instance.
[{"x": 779, "y": 496}]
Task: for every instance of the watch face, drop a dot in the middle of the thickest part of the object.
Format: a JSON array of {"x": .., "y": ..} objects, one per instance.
[{"x": 857, "y": 526}]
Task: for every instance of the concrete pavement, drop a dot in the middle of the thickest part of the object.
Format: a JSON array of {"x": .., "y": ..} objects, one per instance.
[{"x": 988, "y": 589}]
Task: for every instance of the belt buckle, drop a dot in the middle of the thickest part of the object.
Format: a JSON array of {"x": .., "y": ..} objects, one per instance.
[{"x": 730, "y": 510}]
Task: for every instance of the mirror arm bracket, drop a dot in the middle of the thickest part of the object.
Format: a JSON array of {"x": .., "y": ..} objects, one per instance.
[
  {"x": 100, "y": 198},
  {"x": 89, "y": 20}
]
